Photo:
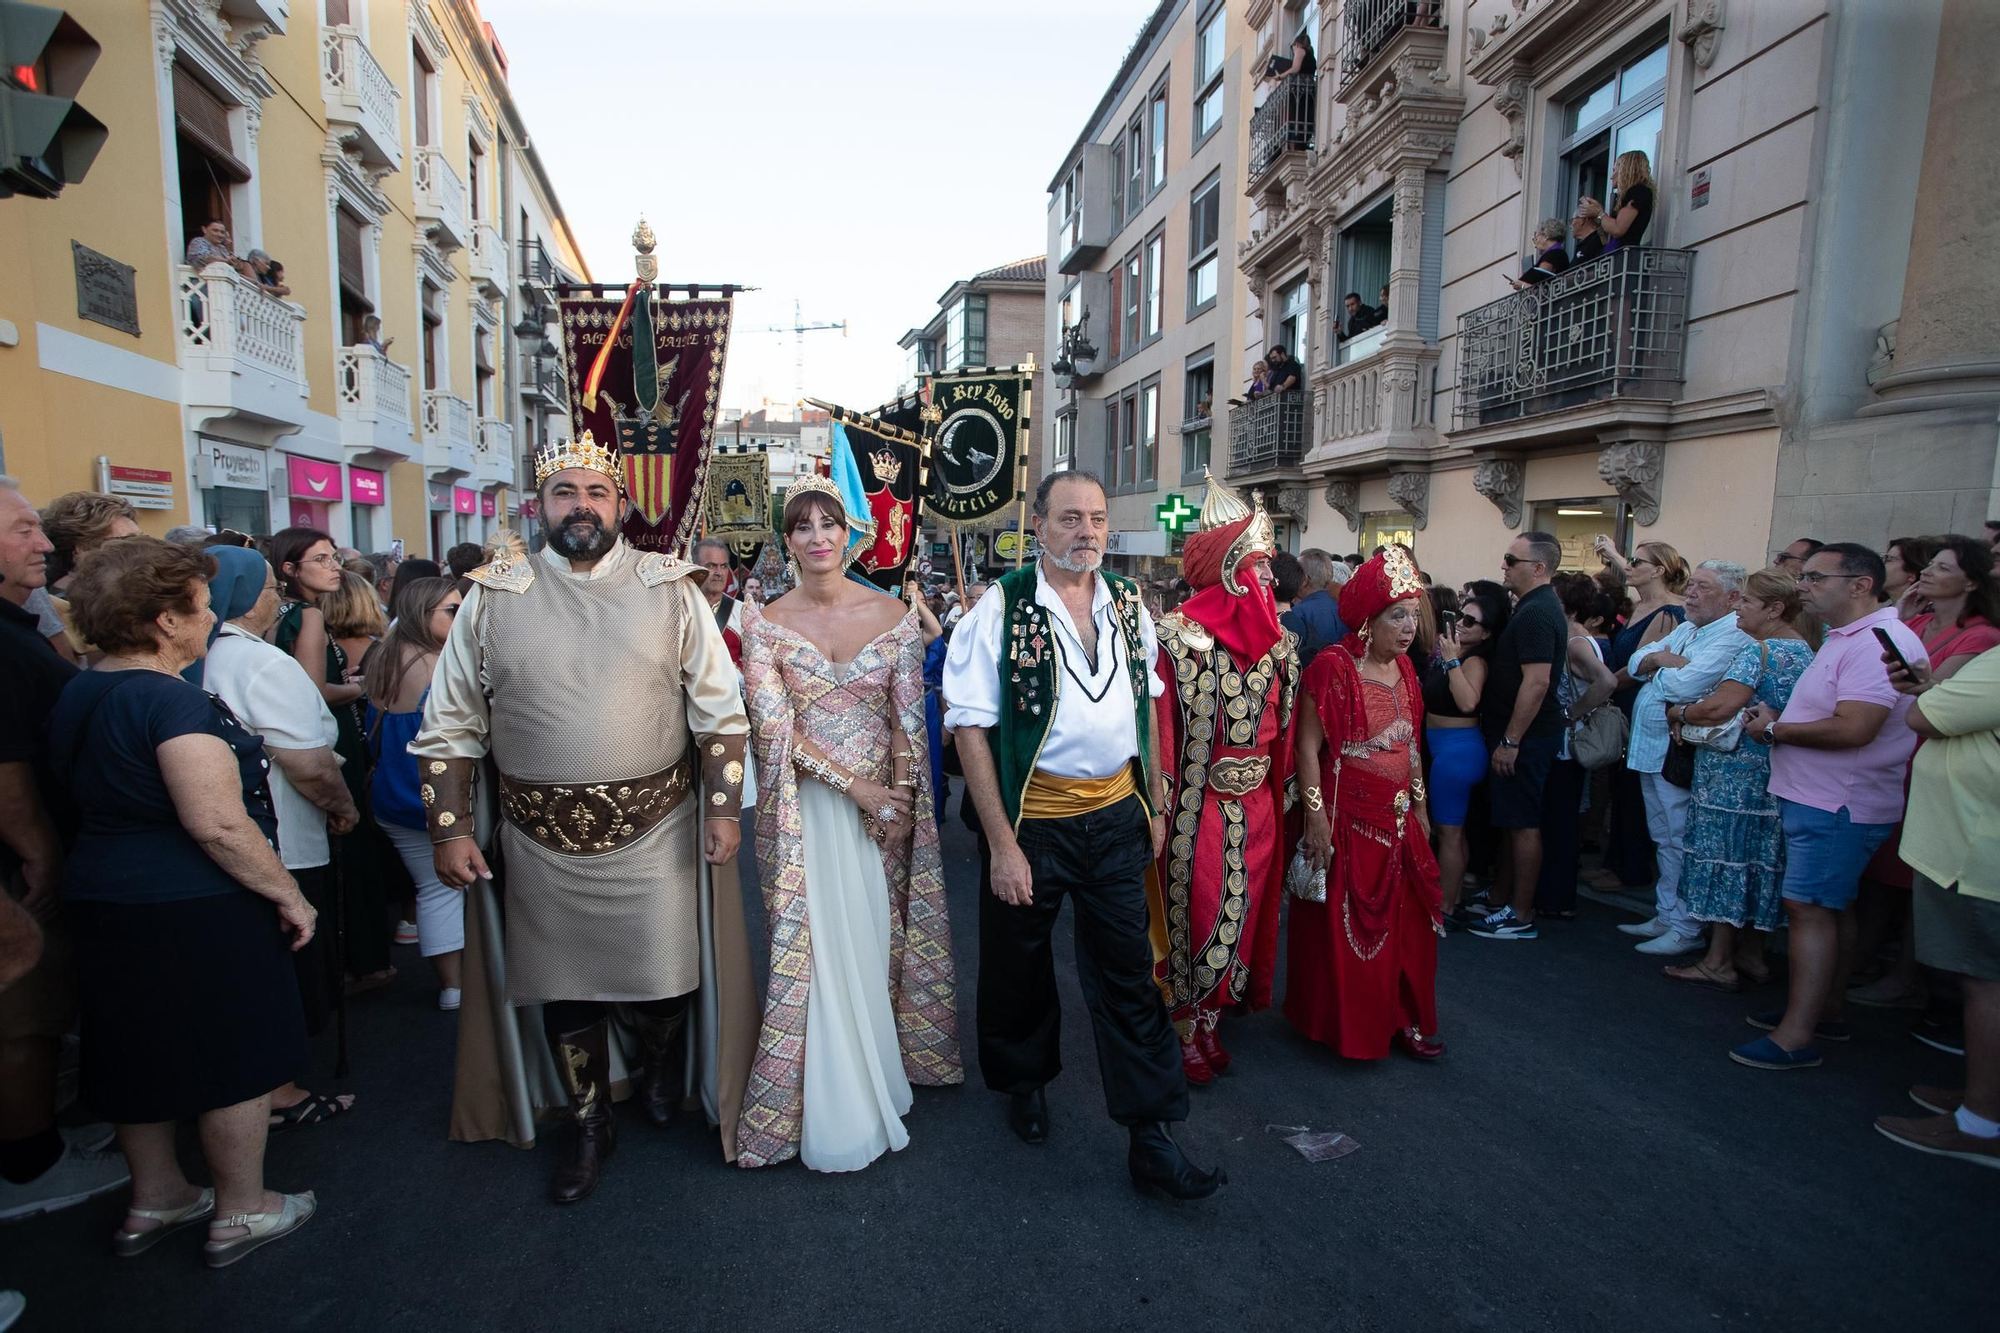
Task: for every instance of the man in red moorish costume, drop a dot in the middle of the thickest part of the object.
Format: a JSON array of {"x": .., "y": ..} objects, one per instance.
[
  {"x": 1232, "y": 674},
  {"x": 1362, "y": 964}
]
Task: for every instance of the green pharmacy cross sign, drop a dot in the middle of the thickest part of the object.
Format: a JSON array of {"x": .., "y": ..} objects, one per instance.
[{"x": 1175, "y": 515}]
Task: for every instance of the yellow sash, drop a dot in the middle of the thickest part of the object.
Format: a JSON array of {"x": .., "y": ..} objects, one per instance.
[{"x": 1050, "y": 797}]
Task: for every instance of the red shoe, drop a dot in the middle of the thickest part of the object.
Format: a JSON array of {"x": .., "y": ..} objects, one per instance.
[
  {"x": 1196, "y": 1066},
  {"x": 1414, "y": 1044},
  {"x": 1208, "y": 1039}
]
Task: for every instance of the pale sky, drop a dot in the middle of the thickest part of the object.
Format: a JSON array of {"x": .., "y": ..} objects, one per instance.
[{"x": 857, "y": 158}]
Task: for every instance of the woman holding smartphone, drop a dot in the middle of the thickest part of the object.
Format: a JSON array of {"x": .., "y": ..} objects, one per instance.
[{"x": 1452, "y": 687}]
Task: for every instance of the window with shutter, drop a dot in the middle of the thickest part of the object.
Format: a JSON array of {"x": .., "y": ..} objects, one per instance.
[{"x": 202, "y": 118}]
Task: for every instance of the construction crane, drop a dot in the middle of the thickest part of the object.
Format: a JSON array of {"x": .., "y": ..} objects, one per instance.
[{"x": 799, "y": 329}]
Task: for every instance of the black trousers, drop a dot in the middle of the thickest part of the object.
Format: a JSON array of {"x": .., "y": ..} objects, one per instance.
[
  {"x": 1099, "y": 862},
  {"x": 560, "y": 1016}
]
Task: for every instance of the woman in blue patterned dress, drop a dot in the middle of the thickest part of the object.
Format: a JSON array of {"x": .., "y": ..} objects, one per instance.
[{"x": 1735, "y": 853}]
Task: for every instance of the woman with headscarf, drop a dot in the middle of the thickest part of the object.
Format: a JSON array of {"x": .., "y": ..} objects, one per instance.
[{"x": 1362, "y": 963}]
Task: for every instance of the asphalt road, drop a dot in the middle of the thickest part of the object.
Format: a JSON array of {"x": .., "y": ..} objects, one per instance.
[{"x": 1584, "y": 1157}]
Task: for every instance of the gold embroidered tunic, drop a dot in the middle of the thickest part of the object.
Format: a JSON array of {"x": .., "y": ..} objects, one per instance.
[{"x": 598, "y": 696}]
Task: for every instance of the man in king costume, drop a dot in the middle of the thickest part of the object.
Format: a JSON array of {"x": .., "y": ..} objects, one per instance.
[
  {"x": 1231, "y": 674},
  {"x": 594, "y": 677},
  {"x": 1049, "y": 683}
]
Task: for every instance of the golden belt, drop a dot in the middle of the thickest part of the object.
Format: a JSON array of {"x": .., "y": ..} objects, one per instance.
[
  {"x": 1238, "y": 775},
  {"x": 592, "y": 820}
]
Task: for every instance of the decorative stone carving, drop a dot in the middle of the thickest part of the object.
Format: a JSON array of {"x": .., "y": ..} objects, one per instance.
[
  {"x": 1632, "y": 468},
  {"x": 1344, "y": 498},
  {"x": 1501, "y": 480},
  {"x": 1291, "y": 501},
  {"x": 1499, "y": 24},
  {"x": 1512, "y": 102},
  {"x": 1702, "y": 33},
  {"x": 1412, "y": 493}
]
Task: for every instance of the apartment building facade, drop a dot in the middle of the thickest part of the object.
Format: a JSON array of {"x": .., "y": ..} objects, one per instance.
[
  {"x": 1144, "y": 323},
  {"x": 372, "y": 147},
  {"x": 1793, "y": 350}
]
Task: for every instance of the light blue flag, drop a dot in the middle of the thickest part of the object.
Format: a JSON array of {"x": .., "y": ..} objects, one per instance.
[{"x": 847, "y": 479}]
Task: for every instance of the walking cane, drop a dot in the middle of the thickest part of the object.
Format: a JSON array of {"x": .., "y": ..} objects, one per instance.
[{"x": 335, "y": 845}]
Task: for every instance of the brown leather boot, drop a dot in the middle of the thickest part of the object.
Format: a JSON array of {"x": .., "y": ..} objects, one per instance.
[
  {"x": 660, "y": 1088},
  {"x": 584, "y": 1059}
]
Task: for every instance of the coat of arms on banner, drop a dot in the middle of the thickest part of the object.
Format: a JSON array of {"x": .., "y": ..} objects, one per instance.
[
  {"x": 739, "y": 502},
  {"x": 982, "y": 439}
]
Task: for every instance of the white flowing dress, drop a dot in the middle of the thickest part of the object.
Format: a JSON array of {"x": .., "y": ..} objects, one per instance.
[{"x": 855, "y": 1090}]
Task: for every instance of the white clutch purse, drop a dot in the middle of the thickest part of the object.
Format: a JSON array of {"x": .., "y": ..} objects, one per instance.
[{"x": 1304, "y": 880}]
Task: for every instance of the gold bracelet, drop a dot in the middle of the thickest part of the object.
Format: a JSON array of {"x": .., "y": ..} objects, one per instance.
[
  {"x": 1313, "y": 799},
  {"x": 822, "y": 770}
]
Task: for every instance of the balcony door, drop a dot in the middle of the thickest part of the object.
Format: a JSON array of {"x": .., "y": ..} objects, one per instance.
[
  {"x": 1616, "y": 113},
  {"x": 1294, "y": 322}
]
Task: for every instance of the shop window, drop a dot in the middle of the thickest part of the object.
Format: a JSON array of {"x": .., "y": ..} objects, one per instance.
[
  {"x": 1576, "y": 524},
  {"x": 1384, "y": 527}
]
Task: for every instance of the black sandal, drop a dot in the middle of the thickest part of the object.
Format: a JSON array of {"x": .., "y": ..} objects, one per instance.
[{"x": 311, "y": 1109}]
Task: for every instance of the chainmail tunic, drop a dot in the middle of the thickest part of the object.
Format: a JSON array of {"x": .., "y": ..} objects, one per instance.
[{"x": 585, "y": 686}]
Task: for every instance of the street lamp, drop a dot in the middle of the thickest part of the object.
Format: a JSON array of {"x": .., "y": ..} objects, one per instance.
[{"x": 1075, "y": 359}]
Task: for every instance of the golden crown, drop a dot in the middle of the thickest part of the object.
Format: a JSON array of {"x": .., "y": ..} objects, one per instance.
[
  {"x": 814, "y": 482},
  {"x": 887, "y": 466},
  {"x": 1222, "y": 506},
  {"x": 584, "y": 452}
]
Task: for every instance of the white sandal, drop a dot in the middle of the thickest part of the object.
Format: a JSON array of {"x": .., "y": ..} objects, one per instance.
[
  {"x": 125, "y": 1243},
  {"x": 263, "y": 1228}
]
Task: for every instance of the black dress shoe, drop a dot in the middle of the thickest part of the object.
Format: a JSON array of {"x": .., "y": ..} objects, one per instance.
[
  {"x": 1028, "y": 1116},
  {"x": 1158, "y": 1165}
]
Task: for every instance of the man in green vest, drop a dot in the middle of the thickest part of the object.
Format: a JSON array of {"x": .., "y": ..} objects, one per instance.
[{"x": 1049, "y": 685}]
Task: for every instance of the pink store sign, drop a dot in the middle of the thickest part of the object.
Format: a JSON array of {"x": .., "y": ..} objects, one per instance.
[
  {"x": 488, "y": 506},
  {"x": 366, "y": 488},
  {"x": 464, "y": 501},
  {"x": 314, "y": 480}
]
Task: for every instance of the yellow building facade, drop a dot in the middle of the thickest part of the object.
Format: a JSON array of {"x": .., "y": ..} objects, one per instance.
[{"x": 372, "y": 149}]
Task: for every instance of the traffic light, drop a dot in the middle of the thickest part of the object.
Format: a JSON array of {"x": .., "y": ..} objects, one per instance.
[{"x": 47, "y": 140}]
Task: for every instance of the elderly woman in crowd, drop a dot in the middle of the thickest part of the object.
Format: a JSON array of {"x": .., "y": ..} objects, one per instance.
[
  {"x": 1657, "y": 577},
  {"x": 183, "y": 915},
  {"x": 271, "y": 695},
  {"x": 1735, "y": 857},
  {"x": 76, "y": 524},
  {"x": 398, "y": 681}
]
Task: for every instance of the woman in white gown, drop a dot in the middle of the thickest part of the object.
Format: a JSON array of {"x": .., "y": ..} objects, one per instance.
[{"x": 860, "y": 1003}]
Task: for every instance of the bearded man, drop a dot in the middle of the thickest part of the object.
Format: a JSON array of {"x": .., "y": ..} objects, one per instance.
[
  {"x": 1231, "y": 675},
  {"x": 594, "y": 676},
  {"x": 1049, "y": 683}
]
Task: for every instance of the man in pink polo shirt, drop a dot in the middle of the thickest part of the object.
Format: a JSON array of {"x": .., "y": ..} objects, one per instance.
[{"x": 1839, "y": 753}]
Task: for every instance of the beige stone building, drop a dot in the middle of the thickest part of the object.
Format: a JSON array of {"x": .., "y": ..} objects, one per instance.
[
  {"x": 1144, "y": 323},
  {"x": 1803, "y": 345}
]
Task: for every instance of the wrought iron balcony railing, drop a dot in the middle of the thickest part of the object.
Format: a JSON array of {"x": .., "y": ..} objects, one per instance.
[
  {"x": 1268, "y": 433},
  {"x": 1615, "y": 327},
  {"x": 1368, "y": 26},
  {"x": 1283, "y": 124}
]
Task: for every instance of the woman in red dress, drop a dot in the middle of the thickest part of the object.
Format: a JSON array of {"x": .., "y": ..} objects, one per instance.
[{"x": 1362, "y": 965}]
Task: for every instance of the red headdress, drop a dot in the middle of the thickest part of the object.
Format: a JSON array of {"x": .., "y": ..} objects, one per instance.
[
  {"x": 1389, "y": 578},
  {"x": 1230, "y": 601}
]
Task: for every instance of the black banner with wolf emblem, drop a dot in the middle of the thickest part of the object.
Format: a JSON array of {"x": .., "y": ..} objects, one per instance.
[{"x": 979, "y": 452}]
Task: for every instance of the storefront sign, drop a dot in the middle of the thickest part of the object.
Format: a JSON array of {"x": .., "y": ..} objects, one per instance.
[
  {"x": 1135, "y": 543},
  {"x": 464, "y": 501},
  {"x": 489, "y": 505},
  {"x": 440, "y": 498},
  {"x": 1698, "y": 190},
  {"x": 235, "y": 466},
  {"x": 313, "y": 480},
  {"x": 1176, "y": 513},
  {"x": 1007, "y": 546},
  {"x": 136, "y": 483},
  {"x": 365, "y": 487}
]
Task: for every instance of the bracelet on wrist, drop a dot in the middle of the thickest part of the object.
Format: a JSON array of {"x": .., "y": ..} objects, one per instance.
[
  {"x": 822, "y": 770},
  {"x": 1313, "y": 798}
]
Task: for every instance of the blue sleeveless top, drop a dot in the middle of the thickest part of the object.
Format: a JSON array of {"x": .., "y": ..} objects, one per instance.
[{"x": 392, "y": 789}]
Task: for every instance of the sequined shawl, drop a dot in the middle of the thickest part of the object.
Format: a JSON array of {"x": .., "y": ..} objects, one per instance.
[{"x": 794, "y": 691}]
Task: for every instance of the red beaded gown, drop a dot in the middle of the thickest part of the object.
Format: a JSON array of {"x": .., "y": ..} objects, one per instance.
[{"x": 1363, "y": 964}]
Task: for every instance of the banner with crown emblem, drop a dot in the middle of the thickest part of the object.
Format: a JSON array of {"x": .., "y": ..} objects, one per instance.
[
  {"x": 739, "y": 503},
  {"x": 888, "y": 454},
  {"x": 979, "y": 454}
]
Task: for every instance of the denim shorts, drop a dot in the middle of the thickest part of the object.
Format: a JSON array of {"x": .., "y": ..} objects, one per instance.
[{"x": 1825, "y": 853}]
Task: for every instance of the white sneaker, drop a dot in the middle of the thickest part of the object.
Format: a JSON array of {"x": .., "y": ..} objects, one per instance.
[
  {"x": 1651, "y": 930},
  {"x": 1668, "y": 944},
  {"x": 449, "y": 998},
  {"x": 406, "y": 932},
  {"x": 79, "y": 1174}
]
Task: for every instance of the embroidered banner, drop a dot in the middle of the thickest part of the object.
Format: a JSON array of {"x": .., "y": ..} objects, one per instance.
[
  {"x": 657, "y": 403},
  {"x": 979, "y": 453},
  {"x": 739, "y": 503},
  {"x": 888, "y": 453}
]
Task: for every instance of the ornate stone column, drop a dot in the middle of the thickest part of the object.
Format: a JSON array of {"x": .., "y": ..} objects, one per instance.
[{"x": 1948, "y": 339}]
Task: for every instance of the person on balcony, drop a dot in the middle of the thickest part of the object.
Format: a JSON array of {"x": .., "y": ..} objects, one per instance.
[
  {"x": 1298, "y": 113},
  {"x": 1632, "y": 206},
  {"x": 1589, "y": 236},
  {"x": 212, "y": 245},
  {"x": 1300, "y": 61},
  {"x": 1260, "y": 380},
  {"x": 1286, "y": 375},
  {"x": 371, "y": 334},
  {"x": 269, "y": 273},
  {"x": 1550, "y": 256}
]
